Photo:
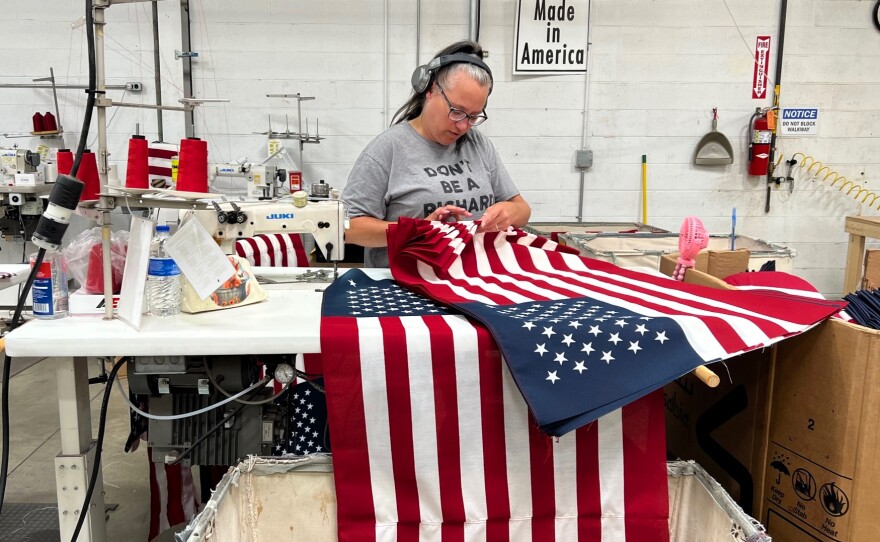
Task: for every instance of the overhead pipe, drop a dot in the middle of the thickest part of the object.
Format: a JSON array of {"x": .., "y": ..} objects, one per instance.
[
  {"x": 776, "y": 83},
  {"x": 157, "y": 69},
  {"x": 474, "y": 20},
  {"x": 586, "y": 116}
]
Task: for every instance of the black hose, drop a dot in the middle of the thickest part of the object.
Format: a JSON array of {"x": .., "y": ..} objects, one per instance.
[
  {"x": 96, "y": 466},
  {"x": 16, "y": 318}
]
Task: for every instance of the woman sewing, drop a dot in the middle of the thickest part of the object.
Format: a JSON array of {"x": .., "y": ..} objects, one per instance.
[{"x": 430, "y": 163}]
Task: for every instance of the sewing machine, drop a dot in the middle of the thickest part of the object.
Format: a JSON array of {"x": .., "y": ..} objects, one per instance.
[
  {"x": 228, "y": 221},
  {"x": 261, "y": 181}
]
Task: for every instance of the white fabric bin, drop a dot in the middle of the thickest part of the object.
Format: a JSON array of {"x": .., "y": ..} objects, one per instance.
[
  {"x": 645, "y": 249},
  {"x": 266, "y": 499}
]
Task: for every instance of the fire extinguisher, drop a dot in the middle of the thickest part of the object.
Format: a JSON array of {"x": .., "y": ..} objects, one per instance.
[{"x": 759, "y": 146}]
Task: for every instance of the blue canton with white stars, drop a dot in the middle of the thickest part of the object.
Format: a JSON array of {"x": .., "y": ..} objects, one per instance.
[
  {"x": 307, "y": 411},
  {"x": 570, "y": 355},
  {"x": 356, "y": 294}
]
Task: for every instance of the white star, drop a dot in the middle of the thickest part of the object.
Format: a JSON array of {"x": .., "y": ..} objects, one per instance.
[
  {"x": 551, "y": 376},
  {"x": 607, "y": 357},
  {"x": 548, "y": 331},
  {"x": 560, "y": 358},
  {"x": 579, "y": 367},
  {"x": 620, "y": 323},
  {"x": 661, "y": 336},
  {"x": 575, "y": 324},
  {"x": 641, "y": 329},
  {"x": 612, "y": 312},
  {"x": 634, "y": 346},
  {"x": 541, "y": 350},
  {"x": 352, "y": 283},
  {"x": 615, "y": 338},
  {"x": 567, "y": 340},
  {"x": 529, "y": 325},
  {"x": 594, "y": 330},
  {"x": 588, "y": 348}
]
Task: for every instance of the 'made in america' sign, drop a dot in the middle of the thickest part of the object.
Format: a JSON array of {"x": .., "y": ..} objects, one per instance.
[{"x": 551, "y": 37}]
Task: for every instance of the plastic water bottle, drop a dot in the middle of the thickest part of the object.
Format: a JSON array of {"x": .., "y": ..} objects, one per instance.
[
  {"x": 163, "y": 278},
  {"x": 50, "y": 294}
]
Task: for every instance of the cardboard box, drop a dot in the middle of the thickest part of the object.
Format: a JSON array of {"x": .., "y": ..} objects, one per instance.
[
  {"x": 822, "y": 468},
  {"x": 871, "y": 279},
  {"x": 715, "y": 263},
  {"x": 723, "y": 428}
]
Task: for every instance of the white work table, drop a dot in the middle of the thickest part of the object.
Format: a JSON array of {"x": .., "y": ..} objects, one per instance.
[{"x": 287, "y": 322}]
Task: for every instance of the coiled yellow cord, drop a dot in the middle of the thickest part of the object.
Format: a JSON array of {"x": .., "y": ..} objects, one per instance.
[{"x": 850, "y": 186}]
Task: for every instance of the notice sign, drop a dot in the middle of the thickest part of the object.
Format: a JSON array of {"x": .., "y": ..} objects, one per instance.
[
  {"x": 551, "y": 37},
  {"x": 799, "y": 121}
]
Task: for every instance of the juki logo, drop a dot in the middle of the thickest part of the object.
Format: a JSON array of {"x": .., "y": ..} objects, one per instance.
[{"x": 280, "y": 216}]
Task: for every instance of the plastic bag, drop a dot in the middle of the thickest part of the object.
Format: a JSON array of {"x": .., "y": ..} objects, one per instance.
[
  {"x": 85, "y": 259},
  {"x": 241, "y": 289}
]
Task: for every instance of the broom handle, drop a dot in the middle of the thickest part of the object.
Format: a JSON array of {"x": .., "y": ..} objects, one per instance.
[{"x": 644, "y": 189}]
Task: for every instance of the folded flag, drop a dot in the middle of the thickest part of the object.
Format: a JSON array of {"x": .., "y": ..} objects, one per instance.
[
  {"x": 583, "y": 337},
  {"x": 433, "y": 442}
]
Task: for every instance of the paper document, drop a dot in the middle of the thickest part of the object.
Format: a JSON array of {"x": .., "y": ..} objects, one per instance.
[
  {"x": 134, "y": 278},
  {"x": 200, "y": 259}
]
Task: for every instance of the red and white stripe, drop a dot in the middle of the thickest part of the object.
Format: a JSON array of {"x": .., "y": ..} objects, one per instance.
[
  {"x": 433, "y": 441},
  {"x": 514, "y": 267},
  {"x": 160, "y": 155},
  {"x": 273, "y": 250},
  {"x": 172, "y": 496}
]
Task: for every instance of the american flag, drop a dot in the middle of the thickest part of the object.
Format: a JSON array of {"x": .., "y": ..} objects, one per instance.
[
  {"x": 307, "y": 410},
  {"x": 583, "y": 337},
  {"x": 273, "y": 250},
  {"x": 160, "y": 155},
  {"x": 432, "y": 439}
]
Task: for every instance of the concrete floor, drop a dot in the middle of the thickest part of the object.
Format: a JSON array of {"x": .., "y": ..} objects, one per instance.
[{"x": 35, "y": 441}]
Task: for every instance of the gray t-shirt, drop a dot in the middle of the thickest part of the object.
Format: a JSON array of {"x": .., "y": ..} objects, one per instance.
[{"x": 400, "y": 173}]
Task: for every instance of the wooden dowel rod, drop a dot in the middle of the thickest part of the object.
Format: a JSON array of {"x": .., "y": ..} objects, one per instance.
[{"x": 707, "y": 375}]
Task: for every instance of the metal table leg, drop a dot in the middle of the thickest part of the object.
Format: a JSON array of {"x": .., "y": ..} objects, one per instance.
[{"x": 73, "y": 464}]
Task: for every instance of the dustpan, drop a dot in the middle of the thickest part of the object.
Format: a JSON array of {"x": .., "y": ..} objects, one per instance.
[{"x": 714, "y": 149}]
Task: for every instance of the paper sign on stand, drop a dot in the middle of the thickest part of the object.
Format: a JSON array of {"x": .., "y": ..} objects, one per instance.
[
  {"x": 131, "y": 298},
  {"x": 200, "y": 259}
]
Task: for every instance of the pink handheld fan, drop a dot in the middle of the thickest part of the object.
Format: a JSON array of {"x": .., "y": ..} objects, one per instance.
[{"x": 692, "y": 239}]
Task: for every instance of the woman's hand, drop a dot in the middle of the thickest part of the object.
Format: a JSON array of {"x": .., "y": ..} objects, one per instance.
[
  {"x": 504, "y": 214},
  {"x": 449, "y": 211}
]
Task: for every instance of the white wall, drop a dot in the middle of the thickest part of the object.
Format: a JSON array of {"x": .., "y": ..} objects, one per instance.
[{"x": 657, "y": 68}]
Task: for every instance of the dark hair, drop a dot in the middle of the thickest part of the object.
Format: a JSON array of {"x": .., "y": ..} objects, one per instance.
[{"x": 413, "y": 106}]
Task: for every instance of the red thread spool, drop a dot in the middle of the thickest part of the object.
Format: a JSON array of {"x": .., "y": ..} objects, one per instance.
[
  {"x": 137, "y": 170},
  {"x": 95, "y": 276},
  {"x": 192, "y": 175},
  {"x": 49, "y": 123},
  {"x": 88, "y": 174},
  {"x": 38, "y": 122},
  {"x": 65, "y": 161}
]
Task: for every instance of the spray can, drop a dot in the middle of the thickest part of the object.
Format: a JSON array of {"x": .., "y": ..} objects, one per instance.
[
  {"x": 295, "y": 178},
  {"x": 49, "y": 292}
]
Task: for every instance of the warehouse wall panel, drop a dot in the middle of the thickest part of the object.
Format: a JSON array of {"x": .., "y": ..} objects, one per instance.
[{"x": 656, "y": 71}]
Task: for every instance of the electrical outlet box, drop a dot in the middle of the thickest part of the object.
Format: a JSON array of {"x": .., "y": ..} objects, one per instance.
[
  {"x": 583, "y": 159},
  {"x": 32, "y": 208}
]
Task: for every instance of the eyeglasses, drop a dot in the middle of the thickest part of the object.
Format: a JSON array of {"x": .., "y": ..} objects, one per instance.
[{"x": 457, "y": 115}]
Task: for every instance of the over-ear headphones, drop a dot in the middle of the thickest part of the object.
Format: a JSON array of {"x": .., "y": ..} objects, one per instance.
[{"x": 423, "y": 75}]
